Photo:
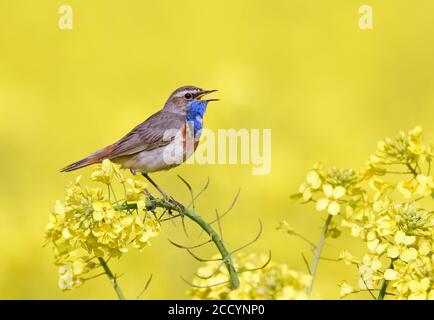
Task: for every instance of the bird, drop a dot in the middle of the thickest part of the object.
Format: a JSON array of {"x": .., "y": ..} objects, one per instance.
[{"x": 161, "y": 142}]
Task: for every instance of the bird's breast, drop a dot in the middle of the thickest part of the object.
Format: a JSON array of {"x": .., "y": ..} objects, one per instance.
[
  {"x": 182, "y": 146},
  {"x": 191, "y": 134}
]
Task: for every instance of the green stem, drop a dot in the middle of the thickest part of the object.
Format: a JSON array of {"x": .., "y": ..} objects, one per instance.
[
  {"x": 413, "y": 171},
  {"x": 318, "y": 250},
  {"x": 384, "y": 284},
  {"x": 226, "y": 256},
  {"x": 112, "y": 278}
]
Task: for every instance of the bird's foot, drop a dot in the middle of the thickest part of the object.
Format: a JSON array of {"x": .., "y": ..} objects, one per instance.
[{"x": 179, "y": 207}]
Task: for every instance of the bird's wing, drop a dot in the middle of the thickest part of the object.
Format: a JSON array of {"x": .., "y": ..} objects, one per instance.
[{"x": 157, "y": 131}]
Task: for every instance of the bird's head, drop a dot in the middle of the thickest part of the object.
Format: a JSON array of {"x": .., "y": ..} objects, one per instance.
[{"x": 187, "y": 98}]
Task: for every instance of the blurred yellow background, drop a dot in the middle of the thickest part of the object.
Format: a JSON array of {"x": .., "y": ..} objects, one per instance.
[{"x": 327, "y": 89}]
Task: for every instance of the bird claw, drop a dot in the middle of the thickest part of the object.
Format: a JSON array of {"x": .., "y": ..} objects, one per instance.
[{"x": 179, "y": 206}]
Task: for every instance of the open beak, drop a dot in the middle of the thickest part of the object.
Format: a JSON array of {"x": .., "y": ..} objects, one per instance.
[{"x": 205, "y": 92}]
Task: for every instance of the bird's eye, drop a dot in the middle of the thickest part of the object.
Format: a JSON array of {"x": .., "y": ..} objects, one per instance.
[{"x": 188, "y": 96}]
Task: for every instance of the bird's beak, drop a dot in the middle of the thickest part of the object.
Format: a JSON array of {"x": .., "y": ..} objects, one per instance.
[{"x": 205, "y": 92}]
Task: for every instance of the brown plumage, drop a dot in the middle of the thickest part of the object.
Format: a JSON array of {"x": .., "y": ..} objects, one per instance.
[{"x": 157, "y": 131}]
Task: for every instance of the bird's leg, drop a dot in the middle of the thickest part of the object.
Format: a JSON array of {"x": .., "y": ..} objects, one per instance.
[
  {"x": 168, "y": 198},
  {"x": 156, "y": 186},
  {"x": 151, "y": 197},
  {"x": 180, "y": 207}
]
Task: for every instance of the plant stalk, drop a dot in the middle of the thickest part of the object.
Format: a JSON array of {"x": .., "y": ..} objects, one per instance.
[
  {"x": 112, "y": 278},
  {"x": 384, "y": 284},
  {"x": 226, "y": 256},
  {"x": 318, "y": 250}
]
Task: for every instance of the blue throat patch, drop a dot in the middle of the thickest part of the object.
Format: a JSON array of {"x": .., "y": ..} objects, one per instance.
[{"x": 195, "y": 112}]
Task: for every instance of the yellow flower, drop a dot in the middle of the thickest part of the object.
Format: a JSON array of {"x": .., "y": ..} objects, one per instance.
[
  {"x": 285, "y": 227},
  {"x": 141, "y": 205},
  {"x": 417, "y": 296},
  {"x": 398, "y": 233},
  {"x": 393, "y": 252},
  {"x": 425, "y": 247},
  {"x": 346, "y": 289},
  {"x": 348, "y": 258},
  {"x": 407, "y": 188},
  {"x": 66, "y": 234},
  {"x": 346, "y": 178},
  {"x": 406, "y": 148},
  {"x": 425, "y": 185},
  {"x": 103, "y": 210},
  {"x": 135, "y": 189},
  {"x": 375, "y": 264},
  {"x": 408, "y": 254},
  {"x": 147, "y": 230},
  {"x": 65, "y": 278},
  {"x": 106, "y": 171},
  {"x": 313, "y": 182},
  {"x": 331, "y": 201},
  {"x": 421, "y": 186},
  {"x": 88, "y": 224},
  {"x": 274, "y": 281},
  {"x": 390, "y": 274},
  {"x": 402, "y": 238},
  {"x": 379, "y": 186},
  {"x": 366, "y": 277}
]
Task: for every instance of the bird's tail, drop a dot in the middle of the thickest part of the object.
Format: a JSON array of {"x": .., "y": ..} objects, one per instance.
[{"x": 95, "y": 157}]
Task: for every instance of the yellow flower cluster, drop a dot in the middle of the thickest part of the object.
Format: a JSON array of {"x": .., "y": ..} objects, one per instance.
[
  {"x": 407, "y": 148},
  {"x": 273, "y": 281},
  {"x": 90, "y": 224},
  {"x": 389, "y": 205}
]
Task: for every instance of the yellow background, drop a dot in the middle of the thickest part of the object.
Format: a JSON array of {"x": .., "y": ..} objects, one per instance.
[{"x": 327, "y": 89}]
